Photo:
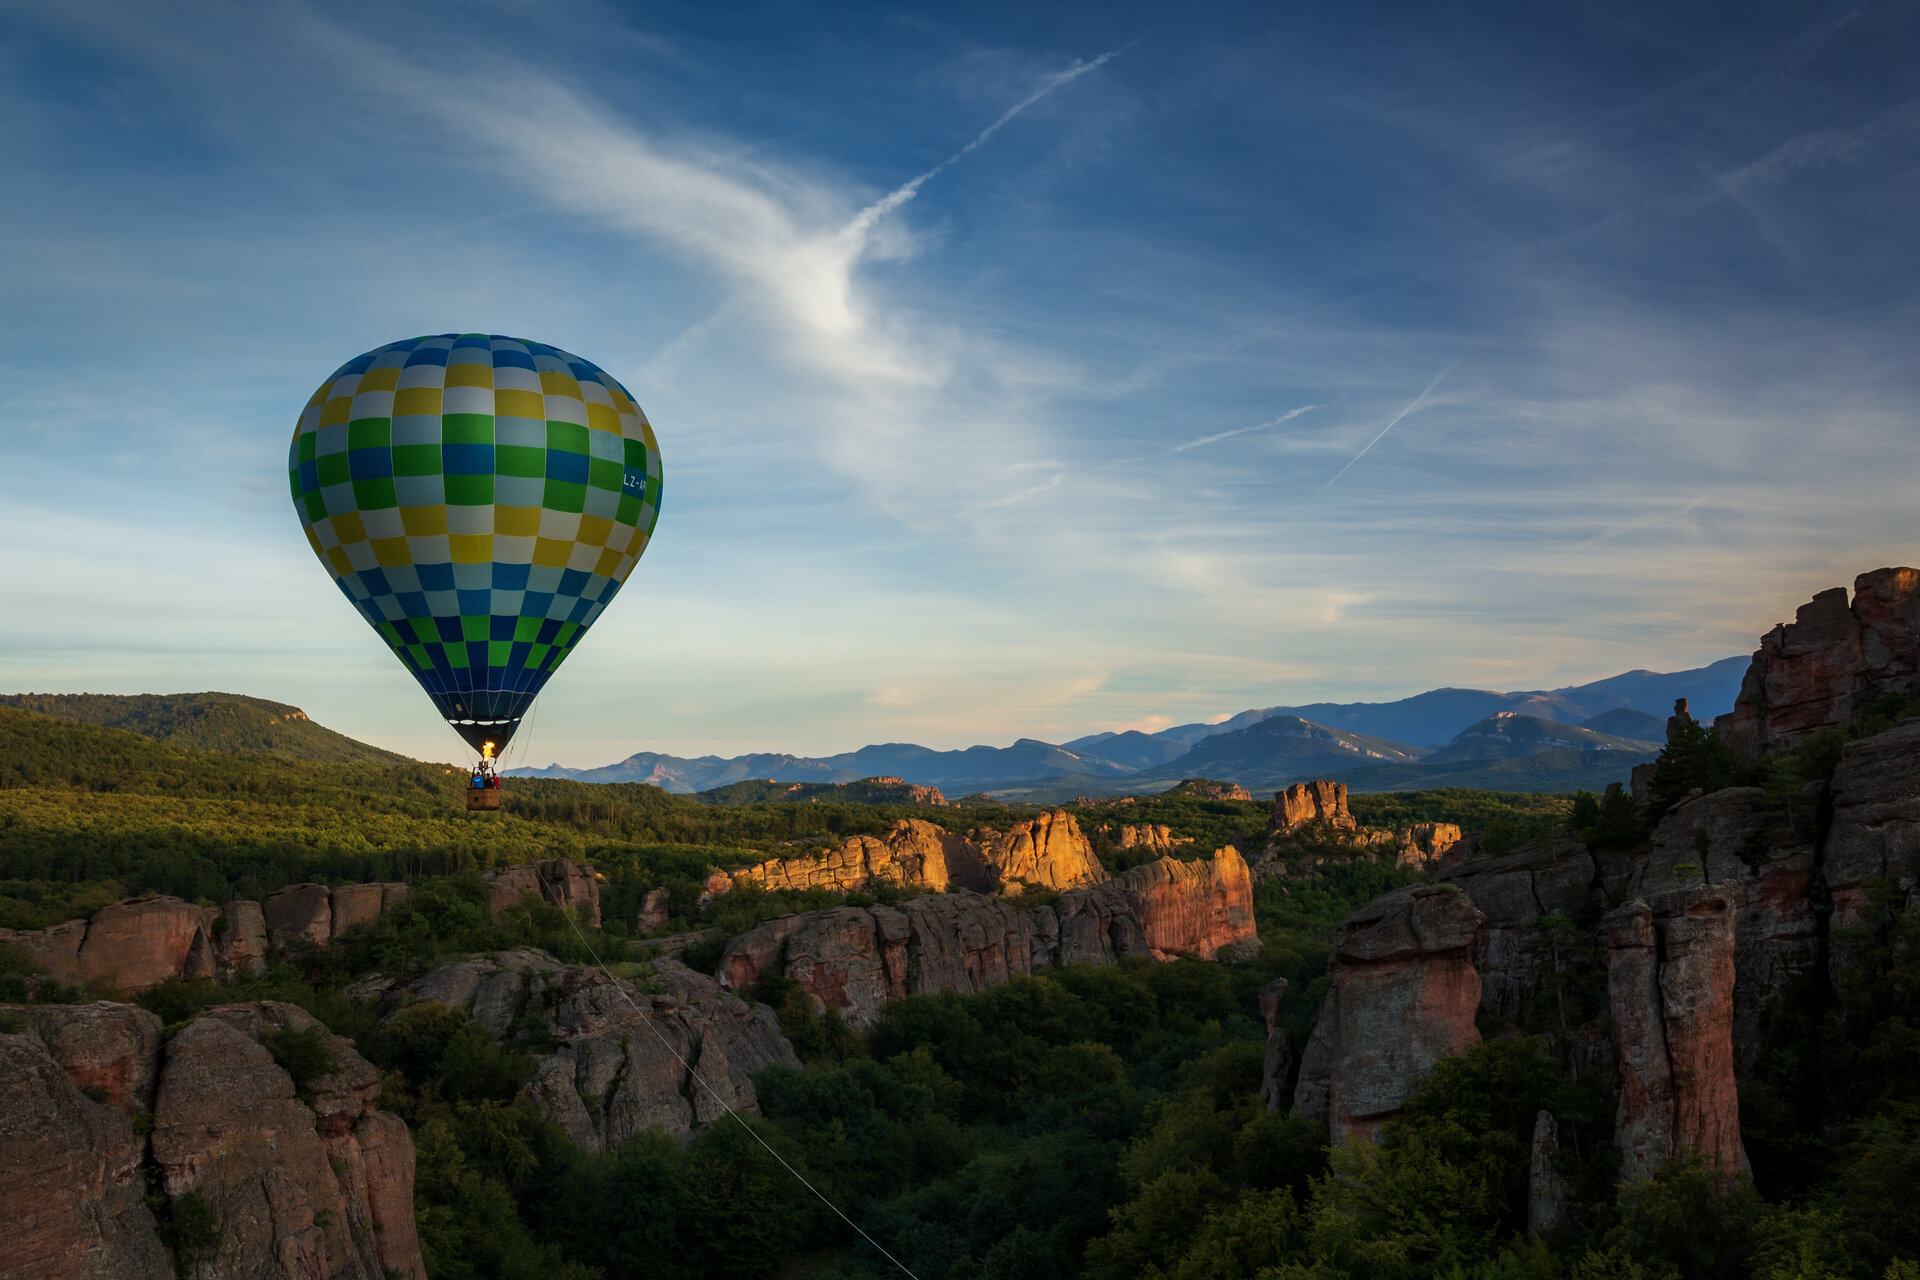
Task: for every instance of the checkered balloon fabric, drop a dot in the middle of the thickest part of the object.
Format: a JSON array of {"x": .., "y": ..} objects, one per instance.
[{"x": 480, "y": 500}]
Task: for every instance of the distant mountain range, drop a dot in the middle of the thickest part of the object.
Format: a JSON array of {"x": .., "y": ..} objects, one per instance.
[{"x": 1535, "y": 740}]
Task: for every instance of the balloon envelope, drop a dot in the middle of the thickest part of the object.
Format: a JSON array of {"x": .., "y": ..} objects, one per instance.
[{"x": 480, "y": 500}]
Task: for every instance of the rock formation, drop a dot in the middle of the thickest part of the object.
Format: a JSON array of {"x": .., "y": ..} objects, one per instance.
[
  {"x": 112, "y": 1050},
  {"x": 611, "y": 1076},
  {"x": 911, "y": 854},
  {"x": 314, "y": 915},
  {"x": 1304, "y": 804},
  {"x": 1765, "y": 862},
  {"x": 1158, "y": 838},
  {"x": 1046, "y": 852},
  {"x": 298, "y": 1190},
  {"x": 1404, "y": 996},
  {"x": 1825, "y": 667},
  {"x": 71, "y": 1178},
  {"x": 654, "y": 912},
  {"x": 1873, "y": 839},
  {"x": 1546, "y": 1190},
  {"x": 141, "y": 942},
  {"x": 1196, "y": 908},
  {"x": 1278, "y": 1063},
  {"x": 557, "y": 880},
  {"x": 316, "y": 1188},
  {"x": 855, "y": 958},
  {"x": 1208, "y": 789},
  {"x": 1514, "y": 892},
  {"x": 1670, "y": 982}
]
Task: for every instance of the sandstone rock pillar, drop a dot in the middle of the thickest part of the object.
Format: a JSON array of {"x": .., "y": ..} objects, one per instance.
[
  {"x": 1404, "y": 996},
  {"x": 1670, "y": 972}
]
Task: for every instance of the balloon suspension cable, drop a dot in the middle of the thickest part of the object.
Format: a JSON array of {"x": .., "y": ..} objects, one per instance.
[{"x": 702, "y": 1080}]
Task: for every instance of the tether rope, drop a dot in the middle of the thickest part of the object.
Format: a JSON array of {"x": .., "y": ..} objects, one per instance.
[{"x": 668, "y": 1046}]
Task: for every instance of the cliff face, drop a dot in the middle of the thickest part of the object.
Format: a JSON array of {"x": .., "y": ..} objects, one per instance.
[
  {"x": 1514, "y": 892},
  {"x": 1765, "y": 864},
  {"x": 911, "y": 854},
  {"x": 1670, "y": 982},
  {"x": 1047, "y": 852},
  {"x": 610, "y": 1076},
  {"x": 1198, "y": 908},
  {"x": 141, "y": 942},
  {"x": 71, "y": 1179},
  {"x": 1826, "y": 666},
  {"x": 1306, "y": 804},
  {"x": 1404, "y": 996},
  {"x": 855, "y": 958},
  {"x": 297, "y": 1189}
]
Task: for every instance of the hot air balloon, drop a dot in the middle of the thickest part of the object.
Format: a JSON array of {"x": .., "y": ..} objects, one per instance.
[{"x": 480, "y": 500}]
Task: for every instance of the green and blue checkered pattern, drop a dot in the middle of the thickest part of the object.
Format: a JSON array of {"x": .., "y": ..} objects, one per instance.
[{"x": 480, "y": 499}]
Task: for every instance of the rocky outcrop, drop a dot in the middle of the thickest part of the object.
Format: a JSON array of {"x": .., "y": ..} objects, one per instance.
[
  {"x": 654, "y": 911},
  {"x": 316, "y": 1186},
  {"x": 1311, "y": 804},
  {"x": 131, "y": 945},
  {"x": 1404, "y": 996},
  {"x": 1874, "y": 836},
  {"x": 142, "y": 942},
  {"x": 1156, "y": 837},
  {"x": 1765, "y": 861},
  {"x": 557, "y": 880},
  {"x": 911, "y": 854},
  {"x": 1429, "y": 842},
  {"x": 1873, "y": 841},
  {"x": 70, "y": 1178},
  {"x": 298, "y": 1189},
  {"x": 1514, "y": 893},
  {"x": 625, "y": 1059},
  {"x": 1546, "y": 1189},
  {"x": 1208, "y": 789},
  {"x": 1278, "y": 1062},
  {"x": 110, "y": 1050},
  {"x": 314, "y": 915},
  {"x": 1194, "y": 908},
  {"x": 1670, "y": 982},
  {"x": 1046, "y": 852},
  {"x": 1824, "y": 669},
  {"x": 240, "y": 944},
  {"x": 855, "y": 958}
]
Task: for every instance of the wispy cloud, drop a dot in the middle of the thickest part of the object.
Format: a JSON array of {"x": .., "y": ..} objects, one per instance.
[{"x": 1416, "y": 403}]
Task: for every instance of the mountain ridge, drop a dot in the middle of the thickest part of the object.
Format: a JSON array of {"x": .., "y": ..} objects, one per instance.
[{"x": 1403, "y": 731}]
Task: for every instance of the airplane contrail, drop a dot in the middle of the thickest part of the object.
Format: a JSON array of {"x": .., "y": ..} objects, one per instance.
[
  {"x": 864, "y": 220},
  {"x": 1288, "y": 416},
  {"x": 1417, "y": 402}
]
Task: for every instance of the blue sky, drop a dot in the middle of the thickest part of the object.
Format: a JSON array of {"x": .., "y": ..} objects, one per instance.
[{"x": 1018, "y": 370}]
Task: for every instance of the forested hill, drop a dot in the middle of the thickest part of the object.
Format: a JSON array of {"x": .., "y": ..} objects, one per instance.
[{"x": 209, "y": 721}]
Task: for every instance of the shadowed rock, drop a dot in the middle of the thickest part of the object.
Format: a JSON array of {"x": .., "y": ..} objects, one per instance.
[
  {"x": 1404, "y": 996},
  {"x": 1670, "y": 980}
]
